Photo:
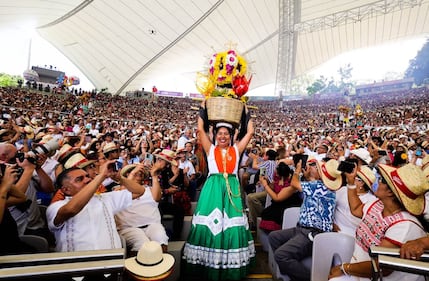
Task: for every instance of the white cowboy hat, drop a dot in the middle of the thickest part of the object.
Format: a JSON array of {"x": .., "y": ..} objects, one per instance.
[{"x": 150, "y": 262}]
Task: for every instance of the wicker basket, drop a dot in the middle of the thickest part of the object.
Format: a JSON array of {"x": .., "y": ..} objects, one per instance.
[{"x": 220, "y": 109}]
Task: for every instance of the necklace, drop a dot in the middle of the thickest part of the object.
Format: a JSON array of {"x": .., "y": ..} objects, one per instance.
[{"x": 225, "y": 157}]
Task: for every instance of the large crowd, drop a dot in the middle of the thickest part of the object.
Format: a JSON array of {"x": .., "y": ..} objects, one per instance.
[{"x": 150, "y": 148}]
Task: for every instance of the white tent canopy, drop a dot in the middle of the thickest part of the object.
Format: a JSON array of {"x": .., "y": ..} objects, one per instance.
[{"x": 127, "y": 44}]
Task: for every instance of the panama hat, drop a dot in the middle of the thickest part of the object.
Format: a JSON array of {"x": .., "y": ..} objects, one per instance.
[
  {"x": 150, "y": 262},
  {"x": 111, "y": 146},
  {"x": 65, "y": 151},
  {"x": 168, "y": 156},
  {"x": 362, "y": 154},
  {"x": 77, "y": 160},
  {"x": 329, "y": 174},
  {"x": 409, "y": 185},
  {"x": 367, "y": 175},
  {"x": 127, "y": 169}
]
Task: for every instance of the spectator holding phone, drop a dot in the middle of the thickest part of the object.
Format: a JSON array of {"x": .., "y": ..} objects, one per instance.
[
  {"x": 283, "y": 196},
  {"x": 291, "y": 246},
  {"x": 256, "y": 201},
  {"x": 141, "y": 222},
  {"x": 387, "y": 221},
  {"x": 10, "y": 195}
]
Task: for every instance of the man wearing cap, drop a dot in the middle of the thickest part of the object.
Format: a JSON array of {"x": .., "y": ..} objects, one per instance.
[
  {"x": 291, "y": 246},
  {"x": 78, "y": 160}
]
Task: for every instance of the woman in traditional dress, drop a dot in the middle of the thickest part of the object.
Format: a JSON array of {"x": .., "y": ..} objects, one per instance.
[{"x": 220, "y": 245}]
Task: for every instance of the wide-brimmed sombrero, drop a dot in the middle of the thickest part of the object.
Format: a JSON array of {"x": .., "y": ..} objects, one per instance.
[
  {"x": 329, "y": 174},
  {"x": 150, "y": 262},
  {"x": 409, "y": 185}
]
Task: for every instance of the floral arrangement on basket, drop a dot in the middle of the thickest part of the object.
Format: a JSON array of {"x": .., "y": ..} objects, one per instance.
[{"x": 225, "y": 77}]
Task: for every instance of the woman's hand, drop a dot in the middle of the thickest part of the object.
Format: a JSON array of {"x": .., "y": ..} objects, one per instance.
[
  {"x": 413, "y": 249},
  {"x": 335, "y": 272}
]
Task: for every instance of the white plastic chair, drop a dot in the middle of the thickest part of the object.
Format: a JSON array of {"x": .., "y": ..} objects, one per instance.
[
  {"x": 329, "y": 248},
  {"x": 290, "y": 219}
]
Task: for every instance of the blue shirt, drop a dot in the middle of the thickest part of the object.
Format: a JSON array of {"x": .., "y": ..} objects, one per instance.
[{"x": 318, "y": 206}]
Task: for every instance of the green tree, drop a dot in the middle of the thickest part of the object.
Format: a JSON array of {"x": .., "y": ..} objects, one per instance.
[
  {"x": 7, "y": 80},
  {"x": 418, "y": 67},
  {"x": 317, "y": 86}
]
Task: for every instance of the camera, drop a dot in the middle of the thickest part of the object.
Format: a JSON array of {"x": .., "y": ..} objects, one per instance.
[
  {"x": 19, "y": 170},
  {"x": 262, "y": 171},
  {"x": 45, "y": 148},
  {"x": 254, "y": 151}
]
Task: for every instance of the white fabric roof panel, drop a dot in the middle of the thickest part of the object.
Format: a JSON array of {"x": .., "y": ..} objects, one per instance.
[{"x": 112, "y": 42}]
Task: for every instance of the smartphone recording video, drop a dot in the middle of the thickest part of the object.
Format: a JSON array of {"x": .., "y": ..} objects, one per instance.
[
  {"x": 346, "y": 167},
  {"x": 302, "y": 157},
  {"x": 148, "y": 159}
]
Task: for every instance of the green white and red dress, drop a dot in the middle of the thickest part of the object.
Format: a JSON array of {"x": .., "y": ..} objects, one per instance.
[{"x": 220, "y": 245}]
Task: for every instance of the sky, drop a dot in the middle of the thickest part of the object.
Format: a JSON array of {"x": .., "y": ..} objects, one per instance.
[{"x": 368, "y": 64}]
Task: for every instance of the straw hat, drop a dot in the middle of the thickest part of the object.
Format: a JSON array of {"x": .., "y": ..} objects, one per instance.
[
  {"x": 150, "y": 262},
  {"x": 425, "y": 166},
  {"x": 362, "y": 154},
  {"x": 168, "y": 156},
  {"x": 331, "y": 177},
  {"x": 425, "y": 144},
  {"x": 367, "y": 175},
  {"x": 127, "y": 169},
  {"x": 409, "y": 185},
  {"x": 29, "y": 131},
  {"x": 111, "y": 146},
  {"x": 65, "y": 150},
  {"x": 77, "y": 160}
]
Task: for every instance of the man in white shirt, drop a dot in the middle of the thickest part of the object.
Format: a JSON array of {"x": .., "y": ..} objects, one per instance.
[{"x": 85, "y": 220}]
